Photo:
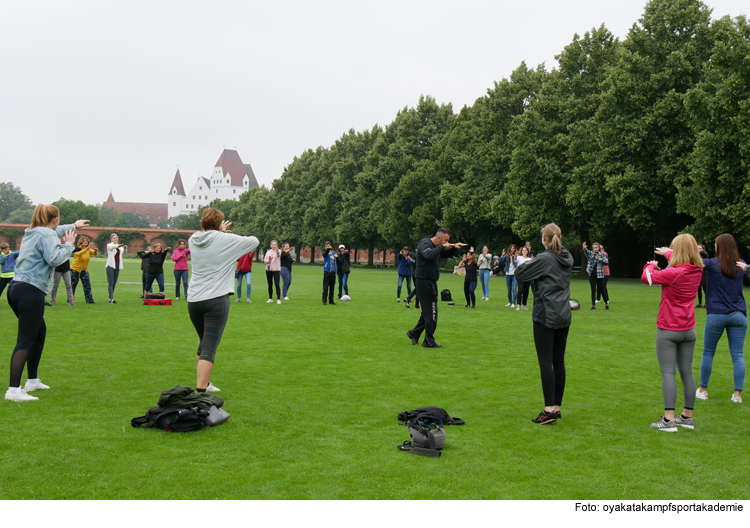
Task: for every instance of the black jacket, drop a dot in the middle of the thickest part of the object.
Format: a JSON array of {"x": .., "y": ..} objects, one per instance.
[
  {"x": 550, "y": 272},
  {"x": 155, "y": 262},
  {"x": 428, "y": 259},
  {"x": 342, "y": 263}
]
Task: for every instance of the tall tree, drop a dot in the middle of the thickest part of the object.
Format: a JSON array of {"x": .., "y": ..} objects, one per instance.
[
  {"x": 73, "y": 210},
  {"x": 12, "y": 199}
]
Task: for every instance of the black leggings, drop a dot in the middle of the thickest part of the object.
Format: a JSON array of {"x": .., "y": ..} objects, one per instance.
[
  {"x": 597, "y": 287},
  {"x": 209, "y": 318},
  {"x": 414, "y": 292},
  {"x": 523, "y": 292},
  {"x": 27, "y": 302},
  {"x": 550, "y": 352},
  {"x": 469, "y": 288},
  {"x": 273, "y": 278},
  {"x": 702, "y": 289}
]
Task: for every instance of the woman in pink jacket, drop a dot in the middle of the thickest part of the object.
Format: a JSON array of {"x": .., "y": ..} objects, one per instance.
[
  {"x": 180, "y": 259},
  {"x": 675, "y": 333}
]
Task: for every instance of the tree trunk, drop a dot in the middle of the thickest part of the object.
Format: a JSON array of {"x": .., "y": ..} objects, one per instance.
[
  {"x": 355, "y": 256},
  {"x": 371, "y": 255},
  {"x": 384, "y": 253},
  {"x": 312, "y": 254}
]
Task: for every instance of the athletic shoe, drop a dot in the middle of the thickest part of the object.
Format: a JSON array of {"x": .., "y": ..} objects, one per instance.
[
  {"x": 427, "y": 344},
  {"x": 113, "y": 301},
  {"x": 467, "y": 306},
  {"x": 406, "y": 303},
  {"x": 687, "y": 423},
  {"x": 545, "y": 418},
  {"x": 72, "y": 303},
  {"x": 593, "y": 307},
  {"x": 558, "y": 414},
  {"x": 52, "y": 303},
  {"x": 286, "y": 298},
  {"x": 398, "y": 300},
  {"x": 667, "y": 427},
  {"x": 597, "y": 302},
  {"x": 238, "y": 300},
  {"x": 508, "y": 304},
  {"x": 414, "y": 340},
  {"x": 32, "y": 386},
  {"x": 176, "y": 298},
  {"x": 606, "y": 306},
  {"x": 736, "y": 399},
  {"x": 332, "y": 303},
  {"x": 212, "y": 388},
  {"x": 512, "y": 305},
  {"x": 17, "y": 394},
  {"x": 518, "y": 307},
  {"x": 249, "y": 301},
  {"x": 473, "y": 307},
  {"x": 269, "y": 301},
  {"x": 524, "y": 308},
  {"x": 278, "y": 302},
  {"x": 701, "y": 395}
]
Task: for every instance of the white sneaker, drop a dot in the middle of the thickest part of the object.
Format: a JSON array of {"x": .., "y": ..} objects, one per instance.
[
  {"x": 597, "y": 302},
  {"x": 701, "y": 395},
  {"x": 278, "y": 302},
  {"x": 249, "y": 301},
  {"x": 238, "y": 300},
  {"x": 17, "y": 394},
  {"x": 212, "y": 388},
  {"x": 736, "y": 399},
  {"x": 512, "y": 305},
  {"x": 35, "y": 385},
  {"x": 508, "y": 304},
  {"x": 518, "y": 307},
  {"x": 269, "y": 301},
  {"x": 286, "y": 298}
]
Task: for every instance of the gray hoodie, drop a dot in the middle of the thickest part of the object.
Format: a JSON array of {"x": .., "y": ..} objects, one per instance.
[
  {"x": 550, "y": 273},
  {"x": 214, "y": 257}
]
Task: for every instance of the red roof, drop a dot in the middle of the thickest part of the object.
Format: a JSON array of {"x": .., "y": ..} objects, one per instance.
[
  {"x": 151, "y": 212},
  {"x": 111, "y": 198},
  {"x": 177, "y": 182},
  {"x": 231, "y": 163}
]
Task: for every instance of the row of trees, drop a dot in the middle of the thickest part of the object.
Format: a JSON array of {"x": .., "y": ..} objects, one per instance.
[{"x": 628, "y": 142}]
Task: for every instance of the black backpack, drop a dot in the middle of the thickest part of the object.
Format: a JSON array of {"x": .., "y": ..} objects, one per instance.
[
  {"x": 172, "y": 419},
  {"x": 445, "y": 295},
  {"x": 428, "y": 415}
]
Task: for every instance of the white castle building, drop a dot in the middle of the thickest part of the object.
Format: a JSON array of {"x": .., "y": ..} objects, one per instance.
[{"x": 230, "y": 178}]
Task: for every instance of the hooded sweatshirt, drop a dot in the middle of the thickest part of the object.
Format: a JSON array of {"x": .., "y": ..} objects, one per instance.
[
  {"x": 215, "y": 255},
  {"x": 550, "y": 272},
  {"x": 679, "y": 286}
]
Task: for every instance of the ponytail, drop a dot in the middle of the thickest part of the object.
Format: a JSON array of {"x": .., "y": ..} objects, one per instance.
[
  {"x": 553, "y": 235},
  {"x": 43, "y": 215}
]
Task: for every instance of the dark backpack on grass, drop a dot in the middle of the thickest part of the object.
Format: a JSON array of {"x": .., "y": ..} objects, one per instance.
[
  {"x": 427, "y": 415},
  {"x": 445, "y": 295},
  {"x": 172, "y": 419}
]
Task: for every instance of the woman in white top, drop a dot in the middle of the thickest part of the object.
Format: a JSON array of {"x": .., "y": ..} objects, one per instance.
[
  {"x": 114, "y": 264},
  {"x": 523, "y": 287},
  {"x": 485, "y": 270}
]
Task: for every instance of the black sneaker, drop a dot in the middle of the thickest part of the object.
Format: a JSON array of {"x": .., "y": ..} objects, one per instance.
[
  {"x": 545, "y": 418},
  {"x": 47, "y": 304},
  {"x": 606, "y": 307},
  {"x": 593, "y": 307},
  {"x": 414, "y": 340},
  {"x": 427, "y": 344},
  {"x": 406, "y": 303},
  {"x": 558, "y": 414}
]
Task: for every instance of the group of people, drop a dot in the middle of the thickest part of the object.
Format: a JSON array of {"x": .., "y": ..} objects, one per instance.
[{"x": 219, "y": 257}]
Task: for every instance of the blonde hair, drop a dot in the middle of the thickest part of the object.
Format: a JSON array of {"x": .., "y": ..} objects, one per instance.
[
  {"x": 553, "y": 235},
  {"x": 43, "y": 215},
  {"x": 685, "y": 251}
]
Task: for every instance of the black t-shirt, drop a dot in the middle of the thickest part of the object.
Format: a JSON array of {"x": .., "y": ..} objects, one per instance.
[
  {"x": 155, "y": 262},
  {"x": 286, "y": 260},
  {"x": 65, "y": 266},
  {"x": 471, "y": 272}
]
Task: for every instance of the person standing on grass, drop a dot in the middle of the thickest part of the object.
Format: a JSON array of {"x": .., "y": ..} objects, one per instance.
[
  {"x": 144, "y": 268},
  {"x": 288, "y": 258},
  {"x": 485, "y": 270},
  {"x": 469, "y": 262},
  {"x": 180, "y": 259},
  {"x": 549, "y": 272},
  {"x": 343, "y": 268},
  {"x": 214, "y": 253},
  {"x": 429, "y": 252},
  {"x": 704, "y": 280},
  {"x": 726, "y": 309},
  {"x": 595, "y": 269},
  {"x": 8, "y": 262},
  {"x": 329, "y": 272},
  {"x": 41, "y": 252},
  {"x": 79, "y": 269},
  {"x": 404, "y": 273},
  {"x": 62, "y": 271},
  {"x": 114, "y": 264},
  {"x": 509, "y": 261},
  {"x": 523, "y": 286},
  {"x": 155, "y": 270},
  {"x": 273, "y": 271},
  {"x": 605, "y": 269},
  {"x": 244, "y": 272},
  {"x": 413, "y": 259},
  {"x": 675, "y": 326}
]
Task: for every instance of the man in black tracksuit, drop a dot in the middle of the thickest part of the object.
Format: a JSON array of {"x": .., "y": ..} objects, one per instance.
[{"x": 429, "y": 251}]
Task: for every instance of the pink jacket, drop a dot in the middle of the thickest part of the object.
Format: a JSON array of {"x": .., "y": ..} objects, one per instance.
[
  {"x": 272, "y": 260},
  {"x": 180, "y": 258},
  {"x": 679, "y": 287}
]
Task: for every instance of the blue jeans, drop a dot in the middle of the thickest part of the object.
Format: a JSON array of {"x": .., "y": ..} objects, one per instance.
[
  {"x": 343, "y": 280},
  {"x": 510, "y": 282},
  {"x": 180, "y": 275},
  {"x": 150, "y": 281},
  {"x": 484, "y": 279},
  {"x": 246, "y": 275},
  {"x": 735, "y": 324},
  {"x": 400, "y": 282},
  {"x": 286, "y": 276}
]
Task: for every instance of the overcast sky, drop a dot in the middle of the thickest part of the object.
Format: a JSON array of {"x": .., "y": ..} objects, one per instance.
[{"x": 101, "y": 96}]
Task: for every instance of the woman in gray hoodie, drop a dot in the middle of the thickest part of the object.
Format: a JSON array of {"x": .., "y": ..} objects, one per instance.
[
  {"x": 214, "y": 252},
  {"x": 550, "y": 272}
]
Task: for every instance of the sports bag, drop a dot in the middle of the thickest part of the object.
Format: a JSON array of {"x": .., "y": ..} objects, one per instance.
[
  {"x": 172, "y": 419},
  {"x": 445, "y": 295},
  {"x": 427, "y": 440},
  {"x": 425, "y": 415},
  {"x": 154, "y": 296}
]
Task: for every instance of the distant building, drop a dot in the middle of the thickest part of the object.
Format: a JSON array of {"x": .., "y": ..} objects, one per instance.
[
  {"x": 229, "y": 179},
  {"x": 151, "y": 212}
]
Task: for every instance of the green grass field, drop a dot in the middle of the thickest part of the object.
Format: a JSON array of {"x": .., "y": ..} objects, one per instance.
[{"x": 314, "y": 392}]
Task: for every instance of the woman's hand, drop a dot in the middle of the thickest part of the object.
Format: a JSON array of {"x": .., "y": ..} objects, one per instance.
[
  {"x": 661, "y": 251},
  {"x": 81, "y": 223},
  {"x": 503, "y": 253},
  {"x": 656, "y": 264},
  {"x": 741, "y": 265},
  {"x": 70, "y": 236},
  {"x": 224, "y": 228}
]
